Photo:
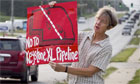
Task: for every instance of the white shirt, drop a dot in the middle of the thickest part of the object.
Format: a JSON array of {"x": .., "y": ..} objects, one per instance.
[{"x": 97, "y": 55}]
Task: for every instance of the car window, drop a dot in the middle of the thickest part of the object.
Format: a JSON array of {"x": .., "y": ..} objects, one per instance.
[{"x": 9, "y": 45}]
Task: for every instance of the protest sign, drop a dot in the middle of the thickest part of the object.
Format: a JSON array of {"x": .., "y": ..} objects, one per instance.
[{"x": 52, "y": 33}]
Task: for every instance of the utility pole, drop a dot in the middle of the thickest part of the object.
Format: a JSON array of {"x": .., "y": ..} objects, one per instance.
[
  {"x": 103, "y": 2},
  {"x": 12, "y": 16},
  {"x": 0, "y": 9},
  {"x": 139, "y": 9},
  {"x": 114, "y": 4},
  {"x": 98, "y": 4},
  {"x": 42, "y": 2},
  {"x": 81, "y": 12}
]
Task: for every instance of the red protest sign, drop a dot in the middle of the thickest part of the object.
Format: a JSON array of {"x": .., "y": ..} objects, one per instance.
[
  {"x": 51, "y": 27},
  {"x": 45, "y": 54}
]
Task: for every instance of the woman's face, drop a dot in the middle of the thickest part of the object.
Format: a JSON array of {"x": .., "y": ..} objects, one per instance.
[{"x": 101, "y": 24}]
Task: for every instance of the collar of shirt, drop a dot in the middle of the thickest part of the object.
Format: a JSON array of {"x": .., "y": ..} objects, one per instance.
[{"x": 101, "y": 43}]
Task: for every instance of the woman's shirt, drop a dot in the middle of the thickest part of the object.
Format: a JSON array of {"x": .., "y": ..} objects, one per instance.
[{"x": 96, "y": 54}]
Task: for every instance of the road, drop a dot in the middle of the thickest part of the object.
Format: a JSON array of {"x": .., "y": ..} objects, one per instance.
[
  {"x": 117, "y": 40},
  {"x": 115, "y": 34},
  {"x": 48, "y": 76}
]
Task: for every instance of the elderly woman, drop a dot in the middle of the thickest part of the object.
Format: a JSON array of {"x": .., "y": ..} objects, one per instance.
[{"x": 95, "y": 51}]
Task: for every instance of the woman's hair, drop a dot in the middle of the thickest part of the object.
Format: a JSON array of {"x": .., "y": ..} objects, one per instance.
[{"x": 111, "y": 13}]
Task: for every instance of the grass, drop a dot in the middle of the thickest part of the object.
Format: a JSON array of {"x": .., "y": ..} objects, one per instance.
[
  {"x": 63, "y": 82},
  {"x": 135, "y": 41},
  {"x": 136, "y": 78},
  {"x": 7, "y": 34},
  {"x": 137, "y": 32},
  {"x": 109, "y": 71},
  {"x": 20, "y": 31},
  {"x": 123, "y": 55},
  {"x": 120, "y": 15},
  {"x": 89, "y": 15},
  {"x": 4, "y": 18},
  {"x": 139, "y": 23},
  {"x": 1, "y": 33},
  {"x": 88, "y": 29}
]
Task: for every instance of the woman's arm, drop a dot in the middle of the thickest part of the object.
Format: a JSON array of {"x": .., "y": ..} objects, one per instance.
[
  {"x": 90, "y": 71},
  {"x": 75, "y": 71}
]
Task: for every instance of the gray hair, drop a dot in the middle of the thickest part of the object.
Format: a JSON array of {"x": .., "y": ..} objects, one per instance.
[{"x": 107, "y": 10}]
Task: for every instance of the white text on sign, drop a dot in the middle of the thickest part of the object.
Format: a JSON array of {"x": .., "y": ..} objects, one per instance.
[
  {"x": 32, "y": 42},
  {"x": 51, "y": 54}
]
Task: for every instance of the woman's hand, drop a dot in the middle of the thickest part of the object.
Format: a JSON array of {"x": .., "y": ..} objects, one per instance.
[
  {"x": 89, "y": 71},
  {"x": 52, "y": 3},
  {"x": 57, "y": 67}
]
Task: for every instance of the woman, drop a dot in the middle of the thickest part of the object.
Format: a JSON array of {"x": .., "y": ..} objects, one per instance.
[{"x": 95, "y": 51}]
